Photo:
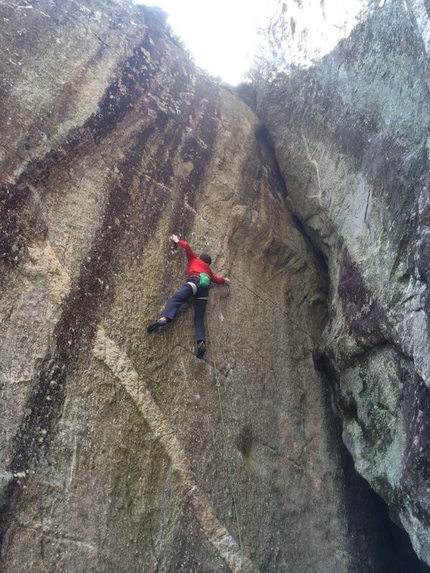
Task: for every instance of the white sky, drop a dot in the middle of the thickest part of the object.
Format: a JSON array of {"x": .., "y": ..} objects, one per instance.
[{"x": 220, "y": 35}]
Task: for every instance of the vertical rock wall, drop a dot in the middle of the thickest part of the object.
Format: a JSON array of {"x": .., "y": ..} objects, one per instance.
[
  {"x": 351, "y": 131},
  {"x": 121, "y": 451}
]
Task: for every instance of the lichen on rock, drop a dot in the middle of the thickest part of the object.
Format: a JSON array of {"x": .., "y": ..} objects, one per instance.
[
  {"x": 352, "y": 145},
  {"x": 121, "y": 450}
]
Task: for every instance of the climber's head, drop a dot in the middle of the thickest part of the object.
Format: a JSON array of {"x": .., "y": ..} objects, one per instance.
[{"x": 205, "y": 258}]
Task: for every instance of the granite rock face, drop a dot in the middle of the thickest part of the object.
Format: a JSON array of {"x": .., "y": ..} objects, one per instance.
[
  {"x": 122, "y": 451},
  {"x": 350, "y": 126}
]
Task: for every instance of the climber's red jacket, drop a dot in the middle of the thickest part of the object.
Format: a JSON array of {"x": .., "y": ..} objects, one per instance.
[{"x": 196, "y": 265}]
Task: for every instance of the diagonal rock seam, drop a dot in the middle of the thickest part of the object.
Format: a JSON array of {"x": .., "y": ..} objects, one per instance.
[{"x": 106, "y": 350}]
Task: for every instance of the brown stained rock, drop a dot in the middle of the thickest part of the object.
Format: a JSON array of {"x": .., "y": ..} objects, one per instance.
[{"x": 114, "y": 141}]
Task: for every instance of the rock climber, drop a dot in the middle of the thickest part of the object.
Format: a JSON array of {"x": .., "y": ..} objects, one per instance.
[{"x": 199, "y": 277}]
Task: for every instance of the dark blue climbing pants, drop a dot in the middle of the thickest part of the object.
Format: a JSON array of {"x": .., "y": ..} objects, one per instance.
[{"x": 184, "y": 294}]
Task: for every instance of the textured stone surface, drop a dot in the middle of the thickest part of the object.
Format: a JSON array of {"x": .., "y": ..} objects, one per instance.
[
  {"x": 112, "y": 453},
  {"x": 350, "y": 128}
]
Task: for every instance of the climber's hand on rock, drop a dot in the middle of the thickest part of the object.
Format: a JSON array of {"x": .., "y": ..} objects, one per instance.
[
  {"x": 175, "y": 238},
  {"x": 226, "y": 281}
]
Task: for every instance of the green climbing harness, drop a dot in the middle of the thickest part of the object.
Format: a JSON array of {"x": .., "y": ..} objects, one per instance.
[{"x": 205, "y": 280}]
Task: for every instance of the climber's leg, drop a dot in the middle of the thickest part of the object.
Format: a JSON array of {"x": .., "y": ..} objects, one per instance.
[
  {"x": 172, "y": 306},
  {"x": 199, "y": 324}
]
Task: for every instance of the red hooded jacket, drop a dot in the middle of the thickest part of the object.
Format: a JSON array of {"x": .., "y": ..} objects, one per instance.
[{"x": 196, "y": 266}]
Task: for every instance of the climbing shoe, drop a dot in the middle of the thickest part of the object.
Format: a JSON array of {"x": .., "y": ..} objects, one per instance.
[
  {"x": 201, "y": 349},
  {"x": 155, "y": 325}
]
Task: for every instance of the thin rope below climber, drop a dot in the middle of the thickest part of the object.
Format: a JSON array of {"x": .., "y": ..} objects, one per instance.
[
  {"x": 106, "y": 350},
  {"x": 226, "y": 454}
]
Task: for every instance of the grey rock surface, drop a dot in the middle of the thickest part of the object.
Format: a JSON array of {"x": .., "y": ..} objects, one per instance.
[
  {"x": 350, "y": 127},
  {"x": 121, "y": 451},
  {"x": 112, "y": 455}
]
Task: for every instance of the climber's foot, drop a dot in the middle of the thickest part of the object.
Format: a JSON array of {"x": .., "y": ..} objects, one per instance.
[
  {"x": 154, "y": 325},
  {"x": 201, "y": 349}
]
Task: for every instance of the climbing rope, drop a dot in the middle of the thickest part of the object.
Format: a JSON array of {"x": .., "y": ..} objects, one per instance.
[{"x": 226, "y": 454}]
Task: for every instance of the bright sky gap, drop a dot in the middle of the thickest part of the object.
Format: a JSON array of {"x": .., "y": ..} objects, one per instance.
[{"x": 219, "y": 35}]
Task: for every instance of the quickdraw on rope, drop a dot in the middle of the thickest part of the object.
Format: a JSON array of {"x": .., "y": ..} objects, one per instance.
[{"x": 226, "y": 454}]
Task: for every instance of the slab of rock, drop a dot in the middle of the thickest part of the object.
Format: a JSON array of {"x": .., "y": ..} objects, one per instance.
[
  {"x": 122, "y": 451},
  {"x": 350, "y": 126}
]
